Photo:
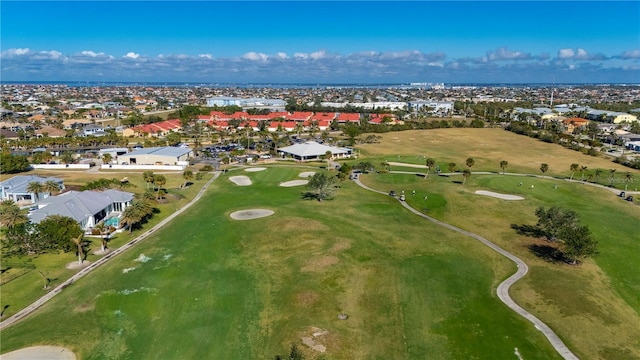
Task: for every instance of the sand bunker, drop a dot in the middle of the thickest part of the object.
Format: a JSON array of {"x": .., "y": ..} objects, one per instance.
[
  {"x": 241, "y": 180},
  {"x": 255, "y": 169},
  {"x": 499, "y": 196},
  {"x": 307, "y": 174},
  {"x": 251, "y": 214},
  {"x": 40, "y": 353},
  {"x": 294, "y": 183}
]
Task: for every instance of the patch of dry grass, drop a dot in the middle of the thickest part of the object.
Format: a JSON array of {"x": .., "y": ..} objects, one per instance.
[{"x": 487, "y": 147}]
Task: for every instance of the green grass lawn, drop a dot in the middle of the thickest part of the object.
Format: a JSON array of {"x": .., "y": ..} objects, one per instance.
[
  {"x": 585, "y": 304},
  {"x": 26, "y": 289},
  {"x": 220, "y": 288}
]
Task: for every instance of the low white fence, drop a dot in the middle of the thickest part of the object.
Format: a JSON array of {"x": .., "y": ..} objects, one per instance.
[
  {"x": 61, "y": 166},
  {"x": 142, "y": 167}
]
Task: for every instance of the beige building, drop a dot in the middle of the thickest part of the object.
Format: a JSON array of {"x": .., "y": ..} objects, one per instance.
[{"x": 157, "y": 156}]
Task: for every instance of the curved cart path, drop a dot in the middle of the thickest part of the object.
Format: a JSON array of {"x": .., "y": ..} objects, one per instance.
[
  {"x": 31, "y": 308},
  {"x": 503, "y": 288}
]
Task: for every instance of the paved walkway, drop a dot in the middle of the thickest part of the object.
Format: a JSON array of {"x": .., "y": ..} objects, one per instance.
[
  {"x": 31, "y": 308},
  {"x": 503, "y": 288}
]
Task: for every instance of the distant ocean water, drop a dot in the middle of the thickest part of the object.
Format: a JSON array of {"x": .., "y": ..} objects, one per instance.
[{"x": 288, "y": 85}]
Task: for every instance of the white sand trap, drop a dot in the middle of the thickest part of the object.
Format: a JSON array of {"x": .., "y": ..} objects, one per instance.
[
  {"x": 40, "y": 353},
  {"x": 498, "y": 195},
  {"x": 307, "y": 174},
  {"x": 241, "y": 180},
  {"x": 255, "y": 169},
  {"x": 251, "y": 214},
  {"x": 294, "y": 183}
]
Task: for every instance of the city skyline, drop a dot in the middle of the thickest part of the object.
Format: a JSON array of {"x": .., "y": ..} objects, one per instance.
[{"x": 321, "y": 42}]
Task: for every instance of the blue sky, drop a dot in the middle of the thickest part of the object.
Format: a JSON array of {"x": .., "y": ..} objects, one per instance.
[{"x": 321, "y": 42}]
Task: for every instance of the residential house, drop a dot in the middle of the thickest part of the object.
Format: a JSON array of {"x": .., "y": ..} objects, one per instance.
[
  {"x": 88, "y": 208},
  {"x": 15, "y": 189},
  {"x": 571, "y": 124}
]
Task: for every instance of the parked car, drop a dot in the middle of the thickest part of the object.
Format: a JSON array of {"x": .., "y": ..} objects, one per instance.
[{"x": 265, "y": 156}]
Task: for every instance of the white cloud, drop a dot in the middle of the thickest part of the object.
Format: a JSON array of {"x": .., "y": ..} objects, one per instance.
[
  {"x": 52, "y": 54},
  {"x": 18, "y": 51},
  {"x": 254, "y": 56},
  {"x": 497, "y": 65},
  {"x": 504, "y": 53},
  {"x": 582, "y": 54},
  {"x": 565, "y": 53},
  {"x": 317, "y": 55},
  {"x": 632, "y": 54}
]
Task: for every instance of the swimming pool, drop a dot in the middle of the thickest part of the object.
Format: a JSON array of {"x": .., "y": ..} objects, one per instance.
[{"x": 112, "y": 221}]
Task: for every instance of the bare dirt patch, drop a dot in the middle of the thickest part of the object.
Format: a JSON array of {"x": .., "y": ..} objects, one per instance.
[
  {"x": 318, "y": 264},
  {"x": 339, "y": 246},
  {"x": 255, "y": 169},
  {"x": 75, "y": 265},
  {"x": 240, "y": 180},
  {"x": 40, "y": 353},
  {"x": 251, "y": 214},
  {"x": 498, "y": 195},
  {"x": 294, "y": 183},
  {"x": 307, "y": 298},
  {"x": 307, "y": 174}
]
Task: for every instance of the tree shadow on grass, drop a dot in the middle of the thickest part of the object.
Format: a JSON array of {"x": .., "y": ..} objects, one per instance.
[
  {"x": 548, "y": 253},
  {"x": 529, "y": 230}
]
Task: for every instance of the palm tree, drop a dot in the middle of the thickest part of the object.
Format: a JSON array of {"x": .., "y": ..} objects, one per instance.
[
  {"x": 51, "y": 187},
  {"x": 11, "y": 215},
  {"x": 328, "y": 155},
  {"x": 598, "y": 173},
  {"x": 103, "y": 231},
  {"x": 130, "y": 217},
  {"x": 159, "y": 180},
  {"x": 79, "y": 242},
  {"x": 299, "y": 128},
  {"x": 465, "y": 175},
  {"x": 574, "y": 167},
  {"x": 148, "y": 177},
  {"x": 544, "y": 168},
  {"x": 583, "y": 168},
  {"x": 430, "y": 163},
  {"x": 225, "y": 161},
  {"x": 106, "y": 158},
  {"x": 470, "y": 162},
  {"x": 503, "y": 165},
  {"x": 452, "y": 167},
  {"x": 612, "y": 173},
  {"x": 627, "y": 178},
  {"x": 188, "y": 176},
  {"x": 36, "y": 188}
]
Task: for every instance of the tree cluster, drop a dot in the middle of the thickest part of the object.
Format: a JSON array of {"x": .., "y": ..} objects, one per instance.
[
  {"x": 11, "y": 164},
  {"x": 563, "y": 226},
  {"x": 54, "y": 233},
  {"x": 322, "y": 186}
]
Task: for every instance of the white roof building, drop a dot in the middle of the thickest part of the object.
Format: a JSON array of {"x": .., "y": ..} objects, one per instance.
[
  {"x": 86, "y": 207},
  {"x": 312, "y": 150}
]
